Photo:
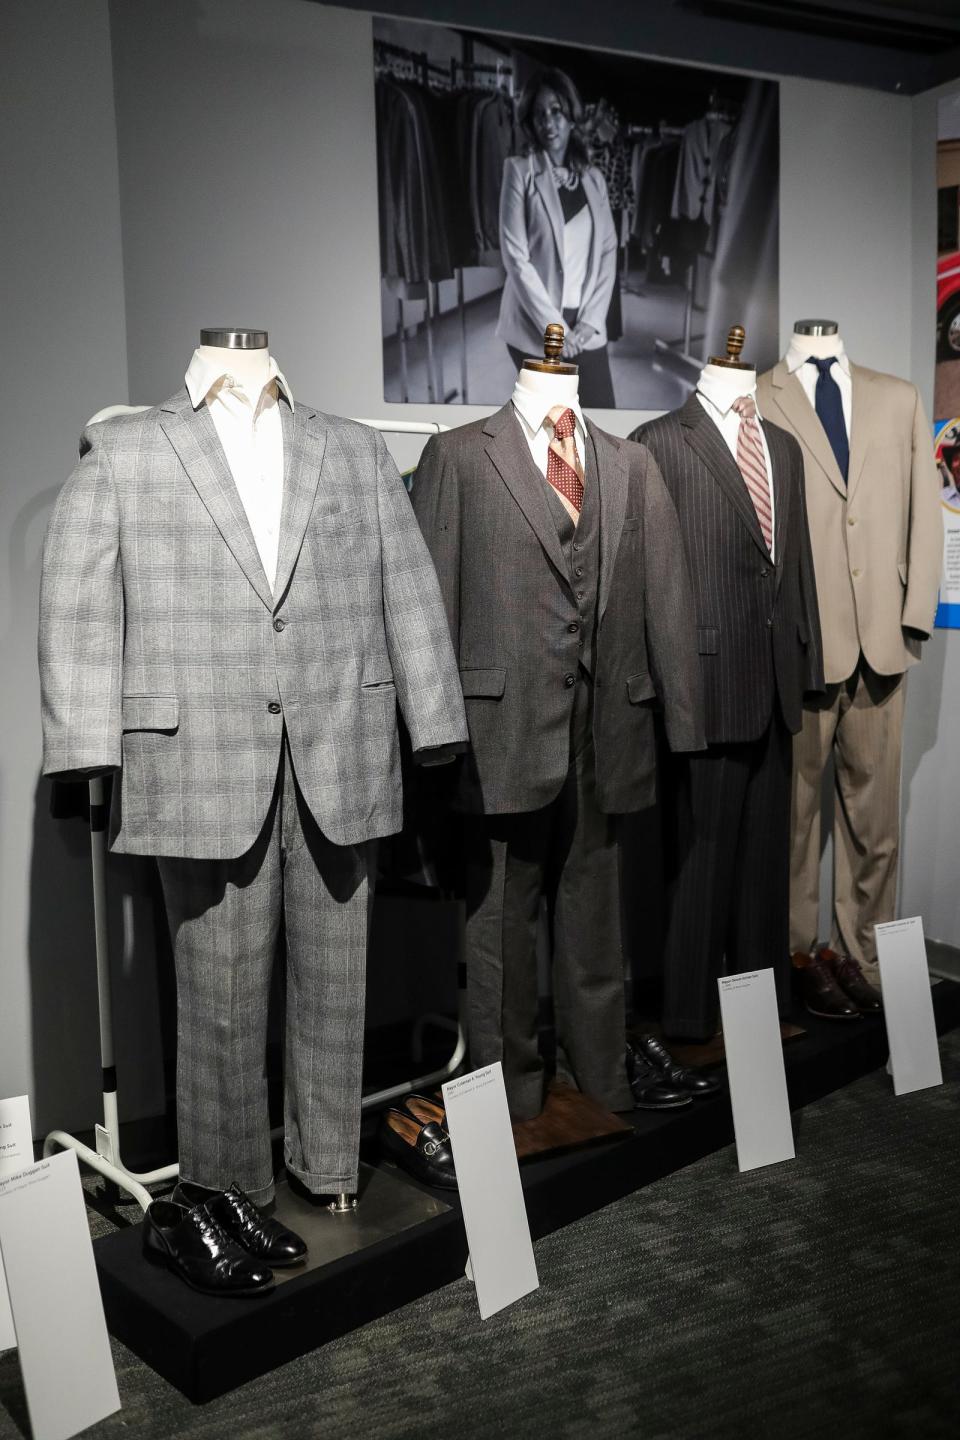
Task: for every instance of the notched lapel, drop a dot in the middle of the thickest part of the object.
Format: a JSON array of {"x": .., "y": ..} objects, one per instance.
[
  {"x": 194, "y": 437},
  {"x": 703, "y": 436},
  {"x": 779, "y": 463},
  {"x": 304, "y": 445},
  {"x": 612, "y": 474},
  {"x": 510, "y": 454},
  {"x": 792, "y": 399},
  {"x": 859, "y": 427}
]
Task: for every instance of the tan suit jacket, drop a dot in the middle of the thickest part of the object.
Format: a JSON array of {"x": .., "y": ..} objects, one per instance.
[{"x": 878, "y": 540}]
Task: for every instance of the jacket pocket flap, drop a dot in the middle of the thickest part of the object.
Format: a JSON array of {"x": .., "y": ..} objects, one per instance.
[
  {"x": 803, "y": 633},
  {"x": 708, "y": 639},
  {"x": 484, "y": 682},
  {"x": 641, "y": 687},
  {"x": 902, "y": 570},
  {"x": 151, "y": 712}
]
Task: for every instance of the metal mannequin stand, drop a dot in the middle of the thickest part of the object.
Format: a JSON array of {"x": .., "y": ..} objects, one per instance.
[{"x": 106, "y": 1159}]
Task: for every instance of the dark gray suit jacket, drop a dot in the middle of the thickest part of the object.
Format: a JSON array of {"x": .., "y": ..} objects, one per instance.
[
  {"x": 484, "y": 510},
  {"x": 758, "y": 626}
]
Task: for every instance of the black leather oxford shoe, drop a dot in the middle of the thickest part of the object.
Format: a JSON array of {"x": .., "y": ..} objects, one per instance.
[
  {"x": 260, "y": 1235},
  {"x": 423, "y": 1150},
  {"x": 193, "y": 1246},
  {"x": 678, "y": 1077},
  {"x": 649, "y": 1088}
]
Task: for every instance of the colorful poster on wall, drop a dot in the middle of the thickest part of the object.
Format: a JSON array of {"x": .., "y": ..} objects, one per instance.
[
  {"x": 946, "y": 399},
  {"x": 522, "y": 183}
]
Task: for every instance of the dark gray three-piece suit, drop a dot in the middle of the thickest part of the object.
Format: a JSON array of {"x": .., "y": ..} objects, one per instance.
[
  {"x": 567, "y": 639},
  {"x": 255, "y": 732},
  {"x": 727, "y": 811}
]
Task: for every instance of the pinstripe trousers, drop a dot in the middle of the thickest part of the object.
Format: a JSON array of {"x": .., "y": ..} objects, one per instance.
[
  {"x": 225, "y": 919},
  {"x": 728, "y": 869}
]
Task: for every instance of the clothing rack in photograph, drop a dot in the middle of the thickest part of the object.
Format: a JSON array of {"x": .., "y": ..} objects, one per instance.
[{"x": 106, "y": 1158}]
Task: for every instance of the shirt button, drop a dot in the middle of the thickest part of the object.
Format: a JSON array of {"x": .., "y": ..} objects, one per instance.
[
  {"x": 279, "y": 624},
  {"x": 274, "y": 707},
  {"x": 572, "y": 629},
  {"x": 569, "y": 680}
]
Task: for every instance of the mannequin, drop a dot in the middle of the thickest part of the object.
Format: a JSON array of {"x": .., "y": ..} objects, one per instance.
[
  {"x": 539, "y": 527},
  {"x": 876, "y": 534},
  {"x": 244, "y": 354},
  {"x": 737, "y": 484}
]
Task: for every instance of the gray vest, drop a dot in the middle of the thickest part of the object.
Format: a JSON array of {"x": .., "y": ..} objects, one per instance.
[{"x": 581, "y": 549}]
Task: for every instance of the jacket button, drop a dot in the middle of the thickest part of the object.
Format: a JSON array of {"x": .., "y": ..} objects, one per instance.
[
  {"x": 572, "y": 629},
  {"x": 856, "y": 574},
  {"x": 569, "y": 680},
  {"x": 278, "y": 624},
  {"x": 764, "y": 572},
  {"x": 770, "y": 624},
  {"x": 274, "y": 707},
  {"x": 851, "y": 521}
]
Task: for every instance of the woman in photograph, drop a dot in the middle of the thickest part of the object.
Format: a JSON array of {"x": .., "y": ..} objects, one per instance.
[{"x": 557, "y": 238}]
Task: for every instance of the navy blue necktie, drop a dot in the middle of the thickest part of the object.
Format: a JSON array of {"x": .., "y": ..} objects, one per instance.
[{"x": 829, "y": 408}]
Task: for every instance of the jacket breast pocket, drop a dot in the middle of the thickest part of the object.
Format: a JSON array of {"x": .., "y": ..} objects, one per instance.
[
  {"x": 151, "y": 712},
  {"x": 488, "y": 683},
  {"x": 708, "y": 639},
  {"x": 329, "y": 519}
]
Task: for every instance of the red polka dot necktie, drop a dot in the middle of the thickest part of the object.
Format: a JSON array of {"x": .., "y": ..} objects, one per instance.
[
  {"x": 752, "y": 464},
  {"x": 564, "y": 471}
]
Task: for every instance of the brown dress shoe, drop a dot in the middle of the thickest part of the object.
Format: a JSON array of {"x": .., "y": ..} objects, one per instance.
[
  {"x": 821, "y": 993},
  {"x": 852, "y": 981}
]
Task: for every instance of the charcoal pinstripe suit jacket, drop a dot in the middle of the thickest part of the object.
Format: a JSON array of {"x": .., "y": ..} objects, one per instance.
[
  {"x": 164, "y": 653},
  {"x": 758, "y": 627}
]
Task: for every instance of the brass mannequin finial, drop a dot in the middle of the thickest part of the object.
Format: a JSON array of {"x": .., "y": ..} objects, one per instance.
[
  {"x": 551, "y": 364},
  {"x": 736, "y": 335}
]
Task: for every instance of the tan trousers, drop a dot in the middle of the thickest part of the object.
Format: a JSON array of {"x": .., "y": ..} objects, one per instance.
[{"x": 861, "y": 722}]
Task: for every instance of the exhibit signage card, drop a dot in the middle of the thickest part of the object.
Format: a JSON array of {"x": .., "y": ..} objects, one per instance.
[
  {"x": 908, "y": 1006},
  {"x": 488, "y": 1177},
  {"x": 757, "y": 1079},
  {"x": 16, "y": 1150},
  {"x": 61, "y": 1333}
]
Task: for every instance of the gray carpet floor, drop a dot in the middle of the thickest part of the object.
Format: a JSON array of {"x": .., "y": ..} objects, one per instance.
[{"x": 815, "y": 1298}]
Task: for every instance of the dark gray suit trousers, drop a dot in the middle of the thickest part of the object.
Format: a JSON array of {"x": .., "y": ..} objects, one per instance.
[
  {"x": 225, "y": 918},
  {"x": 567, "y": 852}
]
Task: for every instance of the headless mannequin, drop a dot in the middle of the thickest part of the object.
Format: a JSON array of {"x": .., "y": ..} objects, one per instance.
[
  {"x": 554, "y": 388},
  {"x": 818, "y": 345},
  {"x": 731, "y": 383},
  {"x": 244, "y": 354}
]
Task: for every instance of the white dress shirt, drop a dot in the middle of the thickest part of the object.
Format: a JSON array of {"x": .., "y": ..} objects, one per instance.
[
  {"x": 251, "y": 434},
  {"x": 796, "y": 362},
  {"x": 717, "y": 397}
]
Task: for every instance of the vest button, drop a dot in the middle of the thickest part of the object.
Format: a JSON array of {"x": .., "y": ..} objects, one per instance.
[
  {"x": 274, "y": 707},
  {"x": 572, "y": 629},
  {"x": 569, "y": 680},
  {"x": 578, "y": 571},
  {"x": 278, "y": 624}
]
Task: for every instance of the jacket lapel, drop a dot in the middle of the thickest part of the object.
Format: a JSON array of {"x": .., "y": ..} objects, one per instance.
[
  {"x": 781, "y": 493},
  {"x": 304, "y": 443},
  {"x": 612, "y": 482},
  {"x": 791, "y": 398},
  {"x": 193, "y": 436},
  {"x": 551, "y": 200},
  {"x": 703, "y": 436},
  {"x": 859, "y": 427},
  {"x": 510, "y": 454}
]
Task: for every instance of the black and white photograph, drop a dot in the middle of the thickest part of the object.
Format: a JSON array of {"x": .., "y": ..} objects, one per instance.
[{"x": 521, "y": 184}]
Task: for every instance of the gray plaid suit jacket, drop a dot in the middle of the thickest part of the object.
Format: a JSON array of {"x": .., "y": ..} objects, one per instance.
[{"x": 164, "y": 654}]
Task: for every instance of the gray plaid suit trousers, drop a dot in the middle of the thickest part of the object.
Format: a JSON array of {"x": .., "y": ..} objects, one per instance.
[{"x": 225, "y": 918}]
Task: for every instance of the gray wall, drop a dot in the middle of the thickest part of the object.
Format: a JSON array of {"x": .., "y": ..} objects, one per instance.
[{"x": 247, "y": 195}]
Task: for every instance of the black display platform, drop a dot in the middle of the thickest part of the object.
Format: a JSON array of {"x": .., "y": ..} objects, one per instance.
[{"x": 206, "y": 1347}]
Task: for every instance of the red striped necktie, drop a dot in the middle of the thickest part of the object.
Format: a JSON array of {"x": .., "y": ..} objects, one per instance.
[{"x": 753, "y": 466}]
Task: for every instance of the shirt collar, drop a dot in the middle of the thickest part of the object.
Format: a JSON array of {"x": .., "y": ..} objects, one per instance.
[
  {"x": 534, "y": 409},
  {"x": 719, "y": 394},
  {"x": 204, "y": 375},
  {"x": 798, "y": 354}
]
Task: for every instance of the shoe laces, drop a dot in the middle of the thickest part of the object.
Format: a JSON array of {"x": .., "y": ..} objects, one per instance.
[{"x": 846, "y": 968}]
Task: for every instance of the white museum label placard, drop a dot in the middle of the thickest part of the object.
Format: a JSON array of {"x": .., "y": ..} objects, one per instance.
[
  {"x": 491, "y": 1196},
  {"x": 61, "y": 1333},
  {"x": 16, "y": 1150},
  {"x": 908, "y": 1006},
  {"x": 755, "y": 1073}
]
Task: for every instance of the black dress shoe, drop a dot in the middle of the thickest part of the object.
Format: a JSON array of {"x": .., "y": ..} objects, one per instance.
[
  {"x": 852, "y": 981},
  {"x": 650, "y": 1090},
  {"x": 264, "y": 1238},
  {"x": 821, "y": 993},
  {"x": 422, "y": 1149},
  {"x": 678, "y": 1077},
  {"x": 193, "y": 1246}
]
